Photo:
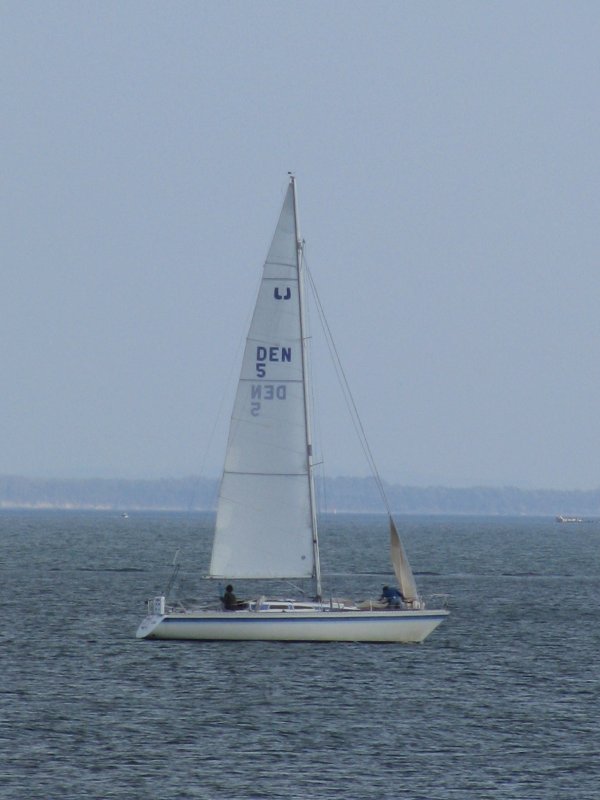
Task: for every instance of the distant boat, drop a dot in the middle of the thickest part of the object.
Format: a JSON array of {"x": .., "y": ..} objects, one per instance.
[
  {"x": 561, "y": 518},
  {"x": 266, "y": 525},
  {"x": 125, "y": 515}
]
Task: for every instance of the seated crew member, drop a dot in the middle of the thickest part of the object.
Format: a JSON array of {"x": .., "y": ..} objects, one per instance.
[
  {"x": 392, "y": 596},
  {"x": 230, "y": 602}
]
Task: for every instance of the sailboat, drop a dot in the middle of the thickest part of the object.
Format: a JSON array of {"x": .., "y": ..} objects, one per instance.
[{"x": 266, "y": 524}]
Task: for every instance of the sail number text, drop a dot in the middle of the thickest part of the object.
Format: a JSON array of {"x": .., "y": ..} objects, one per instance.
[
  {"x": 264, "y": 354},
  {"x": 268, "y": 391}
]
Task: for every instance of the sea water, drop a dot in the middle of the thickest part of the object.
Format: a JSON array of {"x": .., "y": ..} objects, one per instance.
[{"x": 502, "y": 701}]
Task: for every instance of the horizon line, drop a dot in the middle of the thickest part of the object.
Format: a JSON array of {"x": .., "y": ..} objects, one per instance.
[{"x": 391, "y": 484}]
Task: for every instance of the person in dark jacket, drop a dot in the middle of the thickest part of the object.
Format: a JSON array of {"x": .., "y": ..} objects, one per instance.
[
  {"x": 229, "y": 599},
  {"x": 392, "y": 596}
]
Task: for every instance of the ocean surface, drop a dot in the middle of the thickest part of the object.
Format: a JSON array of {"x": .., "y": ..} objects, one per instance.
[{"x": 502, "y": 701}]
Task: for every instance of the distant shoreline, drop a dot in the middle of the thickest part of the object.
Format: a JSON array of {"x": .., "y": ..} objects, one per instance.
[{"x": 341, "y": 495}]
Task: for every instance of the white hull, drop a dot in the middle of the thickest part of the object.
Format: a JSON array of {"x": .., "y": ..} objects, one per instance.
[{"x": 311, "y": 626}]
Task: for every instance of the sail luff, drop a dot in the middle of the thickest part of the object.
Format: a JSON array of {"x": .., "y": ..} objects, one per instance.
[{"x": 402, "y": 568}]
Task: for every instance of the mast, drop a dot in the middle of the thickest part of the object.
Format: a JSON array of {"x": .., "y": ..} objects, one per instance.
[{"x": 307, "y": 419}]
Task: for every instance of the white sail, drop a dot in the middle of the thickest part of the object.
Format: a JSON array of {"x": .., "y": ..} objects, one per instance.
[
  {"x": 404, "y": 574},
  {"x": 264, "y": 527}
]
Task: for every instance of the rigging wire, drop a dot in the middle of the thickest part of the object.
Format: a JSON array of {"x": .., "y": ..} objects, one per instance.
[
  {"x": 346, "y": 392},
  {"x": 316, "y": 419}
]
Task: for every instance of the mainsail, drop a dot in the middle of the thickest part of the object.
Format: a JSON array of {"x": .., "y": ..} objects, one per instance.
[{"x": 264, "y": 527}]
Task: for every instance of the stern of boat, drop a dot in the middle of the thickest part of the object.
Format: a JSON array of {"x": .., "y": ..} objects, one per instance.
[{"x": 156, "y": 614}]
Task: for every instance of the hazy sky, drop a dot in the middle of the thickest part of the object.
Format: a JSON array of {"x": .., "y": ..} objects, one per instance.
[{"x": 447, "y": 157}]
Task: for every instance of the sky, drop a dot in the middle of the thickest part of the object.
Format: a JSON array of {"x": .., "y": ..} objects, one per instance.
[{"x": 447, "y": 158}]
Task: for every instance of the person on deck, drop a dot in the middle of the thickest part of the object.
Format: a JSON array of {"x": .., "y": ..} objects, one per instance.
[
  {"x": 230, "y": 602},
  {"x": 392, "y": 596}
]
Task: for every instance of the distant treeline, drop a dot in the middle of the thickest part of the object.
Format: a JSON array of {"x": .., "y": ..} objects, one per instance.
[
  {"x": 335, "y": 494},
  {"x": 111, "y": 494}
]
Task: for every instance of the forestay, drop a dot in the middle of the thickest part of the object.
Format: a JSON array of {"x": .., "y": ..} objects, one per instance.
[{"x": 263, "y": 527}]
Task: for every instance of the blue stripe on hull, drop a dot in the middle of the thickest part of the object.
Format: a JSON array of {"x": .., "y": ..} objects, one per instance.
[{"x": 290, "y": 618}]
